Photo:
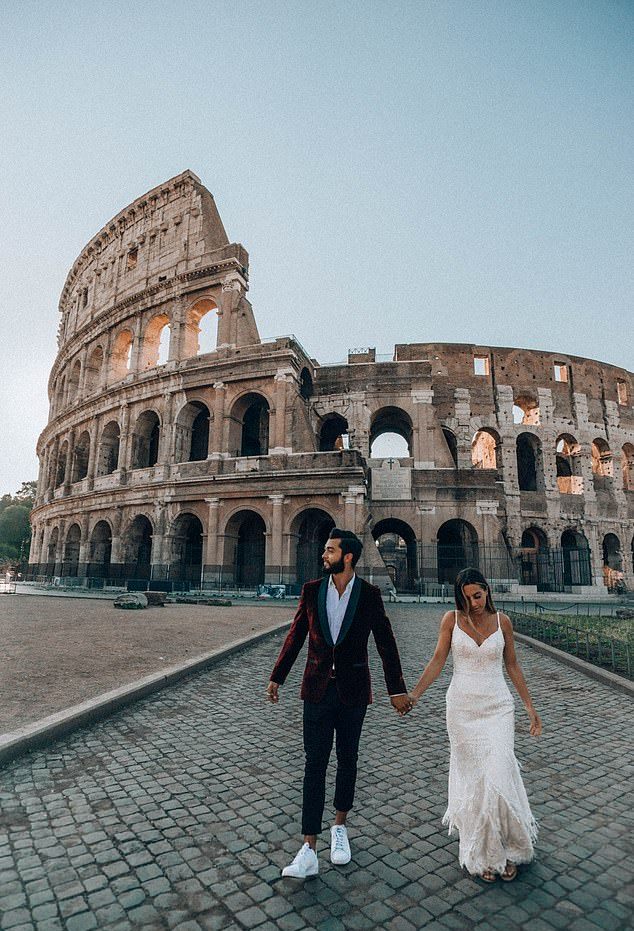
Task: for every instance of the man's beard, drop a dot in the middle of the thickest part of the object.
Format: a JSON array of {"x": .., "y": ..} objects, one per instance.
[{"x": 335, "y": 568}]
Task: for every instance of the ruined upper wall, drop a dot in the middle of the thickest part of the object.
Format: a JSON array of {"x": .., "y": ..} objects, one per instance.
[{"x": 172, "y": 230}]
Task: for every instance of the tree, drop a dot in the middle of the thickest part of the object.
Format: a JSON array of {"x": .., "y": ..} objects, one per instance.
[{"x": 15, "y": 526}]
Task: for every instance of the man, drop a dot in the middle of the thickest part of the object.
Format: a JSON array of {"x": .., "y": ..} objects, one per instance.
[{"x": 338, "y": 614}]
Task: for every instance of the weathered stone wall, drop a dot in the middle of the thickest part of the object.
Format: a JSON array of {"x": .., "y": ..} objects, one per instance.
[{"x": 230, "y": 463}]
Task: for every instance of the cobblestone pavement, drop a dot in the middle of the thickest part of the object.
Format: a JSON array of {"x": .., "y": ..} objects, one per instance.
[{"x": 180, "y": 812}]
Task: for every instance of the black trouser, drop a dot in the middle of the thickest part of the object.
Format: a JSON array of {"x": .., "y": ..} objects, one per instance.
[{"x": 322, "y": 720}]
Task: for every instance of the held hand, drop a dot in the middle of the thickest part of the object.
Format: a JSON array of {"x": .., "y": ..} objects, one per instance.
[
  {"x": 536, "y": 724},
  {"x": 413, "y": 699},
  {"x": 402, "y": 704},
  {"x": 272, "y": 691}
]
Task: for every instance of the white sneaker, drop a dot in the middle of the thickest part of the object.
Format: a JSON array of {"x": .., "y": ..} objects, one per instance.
[
  {"x": 339, "y": 845},
  {"x": 305, "y": 864}
]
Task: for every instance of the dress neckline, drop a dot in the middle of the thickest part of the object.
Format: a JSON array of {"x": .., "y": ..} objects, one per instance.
[{"x": 478, "y": 645}]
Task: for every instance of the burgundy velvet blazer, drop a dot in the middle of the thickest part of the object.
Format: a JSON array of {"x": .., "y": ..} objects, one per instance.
[{"x": 349, "y": 655}]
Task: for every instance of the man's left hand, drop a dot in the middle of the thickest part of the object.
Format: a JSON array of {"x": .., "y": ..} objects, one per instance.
[{"x": 402, "y": 704}]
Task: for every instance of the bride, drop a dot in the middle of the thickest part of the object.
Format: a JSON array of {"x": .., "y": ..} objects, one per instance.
[{"x": 487, "y": 800}]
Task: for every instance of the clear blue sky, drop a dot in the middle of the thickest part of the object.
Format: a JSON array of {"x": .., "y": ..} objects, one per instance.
[{"x": 399, "y": 171}]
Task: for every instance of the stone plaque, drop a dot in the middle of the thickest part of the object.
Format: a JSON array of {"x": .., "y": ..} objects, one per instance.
[{"x": 391, "y": 482}]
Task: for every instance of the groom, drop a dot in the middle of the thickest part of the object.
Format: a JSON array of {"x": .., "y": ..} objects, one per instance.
[{"x": 338, "y": 614}]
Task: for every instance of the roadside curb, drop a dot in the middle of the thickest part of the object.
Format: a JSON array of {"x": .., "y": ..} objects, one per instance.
[
  {"x": 595, "y": 672},
  {"x": 42, "y": 732}
]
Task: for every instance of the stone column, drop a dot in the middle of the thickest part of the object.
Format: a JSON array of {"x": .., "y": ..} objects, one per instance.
[
  {"x": 274, "y": 558},
  {"x": 107, "y": 351},
  {"x": 137, "y": 345},
  {"x": 93, "y": 454},
  {"x": 84, "y": 546},
  {"x": 69, "y": 461},
  {"x": 216, "y": 449},
  {"x": 125, "y": 440},
  {"x": 462, "y": 398},
  {"x": 176, "y": 331},
  {"x": 211, "y": 567},
  {"x": 279, "y": 445},
  {"x": 423, "y": 439},
  {"x": 227, "y": 311}
]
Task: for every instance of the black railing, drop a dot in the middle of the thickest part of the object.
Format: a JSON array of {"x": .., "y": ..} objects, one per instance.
[{"x": 587, "y": 643}]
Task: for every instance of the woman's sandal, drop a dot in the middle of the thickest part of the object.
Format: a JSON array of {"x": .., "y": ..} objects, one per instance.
[
  {"x": 488, "y": 876},
  {"x": 509, "y": 873}
]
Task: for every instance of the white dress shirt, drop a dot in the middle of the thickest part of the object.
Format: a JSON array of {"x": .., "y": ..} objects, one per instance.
[{"x": 336, "y": 606}]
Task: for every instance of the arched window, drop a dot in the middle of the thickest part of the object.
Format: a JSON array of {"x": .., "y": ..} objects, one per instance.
[
  {"x": 333, "y": 434},
  {"x": 310, "y": 529},
  {"x": 612, "y": 562},
  {"x": 94, "y": 367},
  {"x": 156, "y": 340},
  {"x": 245, "y": 549},
  {"x": 80, "y": 457},
  {"x": 187, "y": 550},
  {"x": 396, "y": 542},
  {"x": 576, "y": 559},
  {"x": 602, "y": 459},
  {"x": 457, "y": 548},
  {"x": 535, "y": 566},
  {"x": 529, "y": 470},
  {"x": 108, "y": 460},
  {"x": 192, "y": 433},
  {"x": 71, "y": 551},
  {"x": 391, "y": 434},
  {"x": 138, "y": 548},
  {"x": 627, "y": 466},
  {"x": 201, "y": 328},
  {"x": 62, "y": 457},
  {"x": 484, "y": 449},
  {"x": 100, "y": 550},
  {"x": 568, "y": 453},
  {"x": 121, "y": 355},
  {"x": 145, "y": 440}
]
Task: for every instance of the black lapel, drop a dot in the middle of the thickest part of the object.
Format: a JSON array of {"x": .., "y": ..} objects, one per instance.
[
  {"x": 351, "y": 610},
  {"x": 322, "y": 613}
]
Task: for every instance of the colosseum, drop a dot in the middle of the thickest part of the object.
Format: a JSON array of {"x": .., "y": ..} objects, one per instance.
[{"x": 182, "y": 451}]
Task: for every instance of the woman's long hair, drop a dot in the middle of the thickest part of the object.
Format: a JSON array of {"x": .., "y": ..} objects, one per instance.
[{"x": 471, "y": 577}]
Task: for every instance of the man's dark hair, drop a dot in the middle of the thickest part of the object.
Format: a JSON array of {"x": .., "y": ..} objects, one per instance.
[{"x": 348, "y": 541}]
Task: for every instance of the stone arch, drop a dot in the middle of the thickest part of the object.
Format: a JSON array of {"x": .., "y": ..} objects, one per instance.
[
  {"x": 309, "y": 531},
  {"x": 568, "y": 459},
  {"x": 186, "y": 549},
  {"x": 333, "y": 433},
  {"x": 121, "y": 356},
  {"x": 530, "y": 475},
  {"x": 100, "y": 554},
  {"x": 395, "y": 422},
  {"x": 526, "y": 410},
  {"x": 612, "y": 561},
  {"x": 192, "y": 433},
  {"x": 156, "y": 342},
  {"x": 137, "y": 543},
  {"x": 249, "y": 425},
  {"x": 534, "y": 559},
  {"x": 71, "y": 551},
  {"x": 245, "y": 548},
  {"x": 457, "y": 548},
  {"x": 485, "y": 449},
  {"x": 108, "y": 456},
  {"x": 627, "y": 466},
  {"x": 576, "y": 558},
  {"x": 145, "y": 440},
  {"x": 396, "y": 542},
  {"x": 60, "y": 470},
  {"x": 51, "y": 553},
  {"x": 200, "y": 331},
  {"x": 81, "y": 456},
  {"x": 602, "y": 464},
  {"x": 94, "y": 368}
]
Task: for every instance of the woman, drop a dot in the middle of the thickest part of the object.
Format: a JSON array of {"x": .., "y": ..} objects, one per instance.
[{"x": 487, "y": 800}]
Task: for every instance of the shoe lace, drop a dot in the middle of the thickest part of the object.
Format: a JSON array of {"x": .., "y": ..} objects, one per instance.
[{"x": 340, "y": 836}]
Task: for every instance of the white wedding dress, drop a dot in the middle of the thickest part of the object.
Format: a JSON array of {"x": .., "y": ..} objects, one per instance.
[{"x": 487, "y": 803}]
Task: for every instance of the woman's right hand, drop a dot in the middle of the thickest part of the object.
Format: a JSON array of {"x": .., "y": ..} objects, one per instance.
[{"x": 413, "y": 699}]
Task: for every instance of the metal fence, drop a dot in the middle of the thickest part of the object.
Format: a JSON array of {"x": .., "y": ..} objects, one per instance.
[{"x": 591, "y": 645}]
